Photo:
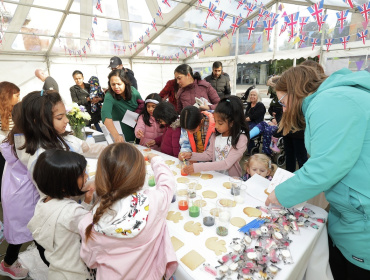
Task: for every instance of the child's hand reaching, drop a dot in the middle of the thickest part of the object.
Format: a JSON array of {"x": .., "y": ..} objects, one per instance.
[
  {"x": 139, "y": 134},
  {"x": 184, "y": 155},
  {"x": 150, "y": 143},
  {"x": 272, "y": 199},
  {"x": 189, "y": 169},
  {"x": 151, "y": 155}
]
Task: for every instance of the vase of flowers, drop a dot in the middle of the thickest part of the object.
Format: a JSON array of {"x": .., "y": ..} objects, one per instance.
[{"x": 78, "y": 117}]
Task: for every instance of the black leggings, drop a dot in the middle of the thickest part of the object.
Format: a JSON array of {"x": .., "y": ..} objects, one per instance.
[
  {"x": 341, "y": 268},
  {"x": 41, "y": 252},
  {"x": 12, "y": 253}
]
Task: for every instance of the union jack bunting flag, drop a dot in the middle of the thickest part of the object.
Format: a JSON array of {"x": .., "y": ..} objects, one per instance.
[
  {"x": 266, "y": 14},
  {"x": 292, "y": 20},
  {"x": 147, "y": 48},
  {"x": 118, "y": 49},
  {"x": 235, "y": 25},
  {"x": 349, "y": 2},
  {"x": 158, "y": 56},
  {"x": 92, "y": 34},
  {"x": 166, "y": 3},
  {"x": 211, "y": 46},
  {"x": 88, "y": 43},
  {"x": 192, "y": 44},
  {"x": 134, "y": 45},
  {"x": 147, "y": 32},
  {"x": 342, "y": 16},
  {"x": 292, "y": 36},
  {"x": 98, "y": 6},
  {"x": 124, "y": 49},
  {"x": 283, "y": 27},
  {"x": 177, "y": 56},
  {"x": 314, "y": 42},
  {"x": 249, "y": 7},
  {"x": 260, "y": 14},
  {"x": 268, "y": 27},
  {"x": 159, "y": 13},
  {"x": 190, "y": 51},
  {"x": 365, "y": 10},
  {"x": 323, "y": 20},
  {"x": 222, "y": 17},
  {"x": 218, "y": 2},
  {"x": 185, "y": 51},
  {"x": 211, "y": 10},
  {"x": 79, "y": 53},
  {"x": 84, "y": 49},
  {"x": 95, "y": 20},
  {"x": 251, "y": 25},
  {"x": 316, "y": 11},
  {"x": 302, "y": 22},
  {"x": 171, "y": 58},
  {"x": 345, "y": 40},
  {"x": 141, "y": 39},
  {"x": 164, "y": 59},
  {"x": 302, "y": 39},
  {"x": 328, "y": 43},
  {"x": 130, "y": 47},
  {"x": 199, "y": 3},
  {"x": 197, "y": 50},
  {"x": 362, "y": 35},
  {"x": 204, "y": 50},
  {"x": 218, "y": 40},
  {"x": 205, "y": 24},
  {"x": 153, "y": 51},
  {"x": 226, "y": 35},
  {"x": 199, "y": 36},
  {"x": 240, "y": 3},
  {"x": 154, "y": 25}
]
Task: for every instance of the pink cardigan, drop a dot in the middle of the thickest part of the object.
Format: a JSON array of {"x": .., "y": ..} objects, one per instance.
[
  {"x": 150, "y": 132},
  {"x": 231, "y": 163},
  {"x": 149, "y": 255}
]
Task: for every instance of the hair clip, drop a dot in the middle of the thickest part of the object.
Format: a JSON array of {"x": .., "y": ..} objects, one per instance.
[
  {"x": 42, "y": 92},
  {"x": 269, "y": 164}
]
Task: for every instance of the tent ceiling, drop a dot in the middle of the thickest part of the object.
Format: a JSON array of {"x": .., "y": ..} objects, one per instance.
[{"x": 50, "y": 28}]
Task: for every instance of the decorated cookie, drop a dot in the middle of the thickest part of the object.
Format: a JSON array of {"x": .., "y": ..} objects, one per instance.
[
  {"x": 215, "y": 245},
  {"x": 206, "y": 176},
  {"x": 195, "y": 228}
]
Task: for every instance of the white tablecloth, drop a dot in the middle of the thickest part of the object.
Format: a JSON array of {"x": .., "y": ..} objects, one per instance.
[{"x": 309, "y": 248}]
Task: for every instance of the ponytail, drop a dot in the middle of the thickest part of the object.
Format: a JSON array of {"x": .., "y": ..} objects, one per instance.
[{"x": 197, "y": 76}]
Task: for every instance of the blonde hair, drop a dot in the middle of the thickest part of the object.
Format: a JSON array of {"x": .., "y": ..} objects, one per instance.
[
  {"x": 263, "y": 159},
  {"x": 120, "y": 172},
  {"x": 298, "y": 83}
]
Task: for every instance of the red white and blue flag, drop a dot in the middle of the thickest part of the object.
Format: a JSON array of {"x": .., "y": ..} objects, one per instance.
[
  {"x": 177, "y": 56},
  {"x": 218, "y": 40},
  {"x": 192, "y": 44},
  {"x": 98, "y": 6},
  {"x": 88, "y": 43},
  {"x": 249, "y": 7},
  {"x": 124, "y": 49},
  {"x": 222, "y": 17},
  {"x": 302, "y": 39},
  {"x": 95, "y": 20},
  {"x": 153, "y": 51},
  {"x": 292, "y": 20},
  {"x": 362, "y": 35},
  {"x": 204, "y": 50},
  {"x": 365, "y": 11},
  {"x": 147, "y": 32},
  {"x": 236, "y": 22},
  {"x": 166, "y": 3},
  {"x": 266, "y": 14},
  {"x": 328, "y": 43},
  {"x": 185, "y": 51},
  {"x": 84, "y": 49},
  {"x": 283, "y": 27},
  {"x": 154, "y": 25},
  {"x": 118, "y": 49},
  {"x": 159, "y": 13},
  {"x": 211, "y": 11},
  {"x": 190, "y": 51},
  {"x": 199, "y": 36},
  {"x": 158, "y": 56},
  {"x": 268, "y": 24},
  {"x": 292, "y": 36},
  {"x": 141, "y": 39},
  {"x": 130, "y": 47},
  {"x": 205, "y": 25},
  {"x": 226, "y": 35},
  {"x": 316, "y": 11},
  {"x": 260, "y": 14},
  {"x": 171, "y": 58},
  {"x": 211, "y": 46},
  {"x": 342, "y": 16},
  {"x": 134, "y": 45},
  {"x": 92, "y": 33},
  {"x": 251, "y": 25},
  {"x": 314, "y": 42},
  {"x": 302, "y": 22},
  {"x": 345, "y": 40},
  {"x": 199, "y": 3},
  {"x": 349, "y": 2},
  {"x": 240, "y": 3}
]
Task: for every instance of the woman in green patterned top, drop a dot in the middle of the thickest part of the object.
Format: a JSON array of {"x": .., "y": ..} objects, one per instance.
[{"x": 120, "y": 97}]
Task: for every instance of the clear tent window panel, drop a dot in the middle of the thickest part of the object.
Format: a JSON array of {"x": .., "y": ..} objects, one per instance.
[
  {"x": 60, "y": 4},
  {"x": 31, "y": 43}
]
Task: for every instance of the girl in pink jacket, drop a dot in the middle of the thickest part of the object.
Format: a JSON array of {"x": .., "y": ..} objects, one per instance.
[
  {"x": 147, "y": 129},
  {"x": 227, "y": 145},
  {"x": 126, "y": 236}
]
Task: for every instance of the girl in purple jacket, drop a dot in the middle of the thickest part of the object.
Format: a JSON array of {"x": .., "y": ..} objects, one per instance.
[{"x": 147, "y": 129}]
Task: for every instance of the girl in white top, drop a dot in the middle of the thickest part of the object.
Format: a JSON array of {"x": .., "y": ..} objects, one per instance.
[{"x": 61, "y": 175}]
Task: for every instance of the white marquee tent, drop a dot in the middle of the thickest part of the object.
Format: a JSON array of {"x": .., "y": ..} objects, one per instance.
[{"x": 61, "y": 36}]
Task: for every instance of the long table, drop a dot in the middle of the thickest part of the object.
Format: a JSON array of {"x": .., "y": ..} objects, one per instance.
[{"x": 309, "y": 248}]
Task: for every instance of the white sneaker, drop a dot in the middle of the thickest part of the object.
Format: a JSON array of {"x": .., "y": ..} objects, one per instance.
[{"x": 15, "y": 271}]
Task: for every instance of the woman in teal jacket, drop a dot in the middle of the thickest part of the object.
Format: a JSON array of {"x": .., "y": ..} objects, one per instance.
[{"x": 335, "y": 113}]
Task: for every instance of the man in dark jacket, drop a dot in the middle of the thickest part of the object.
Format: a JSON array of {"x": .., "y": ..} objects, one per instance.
[
  {"x": 220, "y": 81},
  {"x": 116, "y": 63}
]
